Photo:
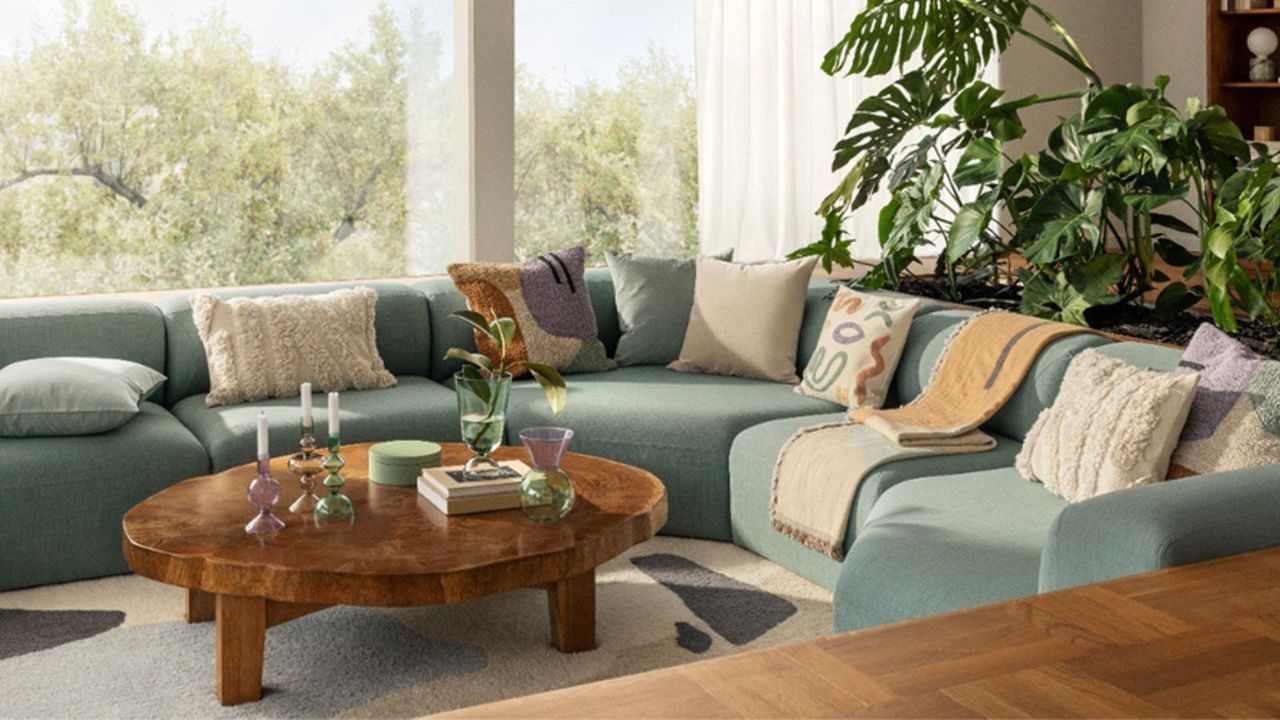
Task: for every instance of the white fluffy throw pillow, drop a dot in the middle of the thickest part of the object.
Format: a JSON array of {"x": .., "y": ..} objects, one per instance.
[
  {"x": 1114, "y": 426},
  {"x": 266, "y": 347}
]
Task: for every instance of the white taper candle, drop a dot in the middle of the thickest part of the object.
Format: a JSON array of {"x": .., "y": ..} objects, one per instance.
[
  {"x": 305, "y": 392},
  {"x": 262, "y": 435},
  {"x": 333, "y": 414}
]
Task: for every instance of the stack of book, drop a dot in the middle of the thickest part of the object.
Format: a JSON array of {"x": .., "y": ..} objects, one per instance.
[{"x": 453, "y": 494}]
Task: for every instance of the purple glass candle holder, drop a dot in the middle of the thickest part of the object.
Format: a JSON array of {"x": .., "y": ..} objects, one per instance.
[{"x": 264, "y": 492}]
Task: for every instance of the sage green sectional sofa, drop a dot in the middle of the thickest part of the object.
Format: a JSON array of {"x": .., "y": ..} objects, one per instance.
[{"x": 926, "y": 535}]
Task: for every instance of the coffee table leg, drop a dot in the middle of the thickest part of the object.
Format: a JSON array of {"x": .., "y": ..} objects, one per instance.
[
  {"x": 573, "y": 613},
  {"x": 241, "y": 636},
  {"x": 200, "y": 606}
]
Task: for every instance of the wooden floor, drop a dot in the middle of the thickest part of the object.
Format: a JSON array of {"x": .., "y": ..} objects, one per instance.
[{"x": 1201, "y": 640}]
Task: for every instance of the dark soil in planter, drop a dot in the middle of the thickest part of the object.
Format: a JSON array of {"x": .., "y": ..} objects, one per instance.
[{"x": 1132, "y": 320}]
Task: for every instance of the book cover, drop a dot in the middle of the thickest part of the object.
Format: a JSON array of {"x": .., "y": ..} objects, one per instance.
[
  {"x": 466, "y": 505},
  {"x": 449, "y": 481}
]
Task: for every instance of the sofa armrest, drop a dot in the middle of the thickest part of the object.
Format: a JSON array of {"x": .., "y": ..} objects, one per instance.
[{"x": 1163, "y": 525}]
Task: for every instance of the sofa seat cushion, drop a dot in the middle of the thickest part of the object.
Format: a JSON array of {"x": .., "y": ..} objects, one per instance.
[
  {"x": 679, "y": 426},
  {"x": 65, "y": 497},
  {"x": 751, "y": 463},
  {"x": 416, "y": 408},
  {"x": 945, "y": 543}
]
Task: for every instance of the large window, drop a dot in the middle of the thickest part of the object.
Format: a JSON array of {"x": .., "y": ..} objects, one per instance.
[
  {"x": 153, "y": 144},
  {"x": 159, "y": 144},
  {"x": 606, "y": 136}
]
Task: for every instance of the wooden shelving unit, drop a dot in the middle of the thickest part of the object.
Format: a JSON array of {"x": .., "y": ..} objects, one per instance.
[{"x": 1248, "y": 103}]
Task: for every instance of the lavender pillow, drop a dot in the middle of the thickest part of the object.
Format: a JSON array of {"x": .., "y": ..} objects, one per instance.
[
  {"x": 1235, "y": 418},
  {"x": 548, "y": 298}
]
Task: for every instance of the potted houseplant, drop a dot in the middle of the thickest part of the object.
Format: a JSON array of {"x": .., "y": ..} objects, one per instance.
[{"x": 483, "y": 386}]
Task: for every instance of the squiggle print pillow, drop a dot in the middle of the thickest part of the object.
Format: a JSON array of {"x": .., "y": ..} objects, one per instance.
[{"x": 858, "y": 350}]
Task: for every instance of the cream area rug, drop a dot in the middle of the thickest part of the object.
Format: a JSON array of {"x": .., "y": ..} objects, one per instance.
[{"x": 118, "y": 647}]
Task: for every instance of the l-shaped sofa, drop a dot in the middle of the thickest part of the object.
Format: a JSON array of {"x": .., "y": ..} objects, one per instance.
[{"x": 927, "y": 535}]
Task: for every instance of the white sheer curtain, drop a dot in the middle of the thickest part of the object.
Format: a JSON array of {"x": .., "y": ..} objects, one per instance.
[{"x": 768, "y": 118}]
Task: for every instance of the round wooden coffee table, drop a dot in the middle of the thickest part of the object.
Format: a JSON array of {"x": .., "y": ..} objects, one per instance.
[{"x": 398, "y": 551}]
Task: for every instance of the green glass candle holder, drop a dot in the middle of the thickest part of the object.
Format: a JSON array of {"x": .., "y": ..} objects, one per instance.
[{"x": 335, "y": 505}]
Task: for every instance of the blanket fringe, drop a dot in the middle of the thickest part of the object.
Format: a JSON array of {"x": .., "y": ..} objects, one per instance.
[{"x": 834, "y": 552}]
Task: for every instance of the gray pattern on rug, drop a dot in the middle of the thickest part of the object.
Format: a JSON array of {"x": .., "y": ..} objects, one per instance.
[
  {"x": 166, "y": 670},
  {"x": 396, "y": 662},
  {"x": 28, "y": 631},
  {"x": 737, "y": 611}
]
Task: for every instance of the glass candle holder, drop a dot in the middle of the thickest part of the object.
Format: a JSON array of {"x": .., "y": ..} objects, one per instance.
[
  {"x": 307, "y": 464},
  {"x": 335, "y": 505},
  {"x": 264, "y": 491}
]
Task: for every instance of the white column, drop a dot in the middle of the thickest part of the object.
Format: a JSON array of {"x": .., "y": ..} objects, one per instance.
[{"x": 484, "y": 86}]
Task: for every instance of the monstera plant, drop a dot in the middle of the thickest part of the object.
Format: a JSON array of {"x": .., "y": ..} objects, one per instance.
[{"x": 1073, "y": 226}]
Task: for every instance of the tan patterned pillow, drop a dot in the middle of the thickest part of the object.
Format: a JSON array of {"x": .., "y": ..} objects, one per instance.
[
  {"x": 266, "y": 347},
  {"x": 861, "y": 341},
  {"x": 1113, "y": 426},
  {"x": 548, "y": 298}
]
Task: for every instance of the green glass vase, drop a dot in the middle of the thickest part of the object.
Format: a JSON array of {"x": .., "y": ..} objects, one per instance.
[{"x": 482, "y": 411}]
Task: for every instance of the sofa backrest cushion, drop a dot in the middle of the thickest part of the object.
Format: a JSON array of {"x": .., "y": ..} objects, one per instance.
[
  {"x": 443, "y": 299},
  {"x": 113, "y": 328},
  {"x": 929, "y": 335},
  {"x": 401, "y": 323},
  {"x": 1152, "y": 357},
  {"x": 1040, "y": 388}
]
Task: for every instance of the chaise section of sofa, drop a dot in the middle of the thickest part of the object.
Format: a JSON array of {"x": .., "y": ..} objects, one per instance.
[
  {"x": 416, "y": 407},
  {"x": 65, "y": 496}
]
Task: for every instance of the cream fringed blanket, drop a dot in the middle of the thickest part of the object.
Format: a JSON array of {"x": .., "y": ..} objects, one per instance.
[{"x": 820, "y": 468}]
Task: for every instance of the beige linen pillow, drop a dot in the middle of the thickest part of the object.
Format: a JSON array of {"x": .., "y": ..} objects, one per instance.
[
  {"x": 266, "y": 347},
  {"x": 861, "y": 341},
  {"x": 1114, "y": 426},
  {"x": 746, "y": 319}
]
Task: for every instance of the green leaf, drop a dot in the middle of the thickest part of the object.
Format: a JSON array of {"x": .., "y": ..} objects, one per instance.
[
  {"x": 1172, "y": 223},
  {"x": 503, "y": 330},
  {"x": 477, "y": 322},
  {"x": 950, "y": 39},
  {"x": 1173, "y": 253},
  {"x": 477, "y": 383},
  {"x": 1175, "y": 299},
  {"x": 967, "y": 229},
  {"x": 552, "y": 384},
  {"x": 466, "y": 356},
  {"x": 980, "y": 163}
]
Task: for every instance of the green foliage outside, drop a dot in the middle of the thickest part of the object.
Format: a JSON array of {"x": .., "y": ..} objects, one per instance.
[
  {"x": 614, "y": 168},
  {"x": 129, "y": 163},
  {"x": 1089, "y": 214}
]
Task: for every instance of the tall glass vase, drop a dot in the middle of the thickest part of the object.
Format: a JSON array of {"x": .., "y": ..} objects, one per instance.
[{"x": 482, "y": 410}]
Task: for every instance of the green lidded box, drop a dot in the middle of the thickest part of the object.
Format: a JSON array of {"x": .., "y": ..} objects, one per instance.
[{"x": 400, "y": 462}]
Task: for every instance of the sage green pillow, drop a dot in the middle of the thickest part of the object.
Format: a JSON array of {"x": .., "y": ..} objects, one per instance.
[
  {"x": 654, "y": 296},
  {"x": 71, "y": 395}
]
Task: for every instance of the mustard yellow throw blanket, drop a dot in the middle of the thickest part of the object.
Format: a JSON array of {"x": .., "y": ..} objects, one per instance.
[{"x": 820, "y": 468}]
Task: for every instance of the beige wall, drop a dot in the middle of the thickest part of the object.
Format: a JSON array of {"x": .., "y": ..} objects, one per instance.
[
  {"x": 1110, "y": 34},
  {"x": 1173, "y": 44}
]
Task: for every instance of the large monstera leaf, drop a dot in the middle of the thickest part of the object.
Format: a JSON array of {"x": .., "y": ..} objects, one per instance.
[
  {"x": 954, "y": 39},
  {"x": 878, "y": 127}
]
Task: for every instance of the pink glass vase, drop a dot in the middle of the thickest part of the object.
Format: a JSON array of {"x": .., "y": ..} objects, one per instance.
[{"x": 546, "y": 491}]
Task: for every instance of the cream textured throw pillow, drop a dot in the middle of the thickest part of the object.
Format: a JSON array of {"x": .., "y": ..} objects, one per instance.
[
  {"x": 746, "y": 319},
  {"x": 266, "y": 347},
  {"x": 858, "y": 350},
  {"x": 1113, "y": 426}
]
